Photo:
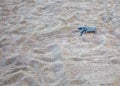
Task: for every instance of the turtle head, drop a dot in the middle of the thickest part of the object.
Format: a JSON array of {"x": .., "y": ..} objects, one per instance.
[{"x": 80, "y": 28}]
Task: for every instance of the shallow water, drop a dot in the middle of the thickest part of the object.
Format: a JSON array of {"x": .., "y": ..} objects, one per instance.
[{"x": 39, "y": 45}]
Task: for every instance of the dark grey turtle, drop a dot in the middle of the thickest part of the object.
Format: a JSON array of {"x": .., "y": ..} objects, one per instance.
[{"x": 87, "y": 29}]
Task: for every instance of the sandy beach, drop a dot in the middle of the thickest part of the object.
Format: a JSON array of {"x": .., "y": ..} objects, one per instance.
[{"x": 39, "y": 44}]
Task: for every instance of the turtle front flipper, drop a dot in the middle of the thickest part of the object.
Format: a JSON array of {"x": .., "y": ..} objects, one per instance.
[{"x": 82, "y": 32}]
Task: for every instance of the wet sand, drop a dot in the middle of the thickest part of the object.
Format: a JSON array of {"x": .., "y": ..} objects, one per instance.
[{"x": 39, "y": 45}]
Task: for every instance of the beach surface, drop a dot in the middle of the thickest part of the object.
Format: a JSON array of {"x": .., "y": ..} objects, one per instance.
[{"x": 40, "y": 45}]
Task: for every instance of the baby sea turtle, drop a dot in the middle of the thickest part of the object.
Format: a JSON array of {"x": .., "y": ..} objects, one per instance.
[{"x": 87, "y": 29}]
